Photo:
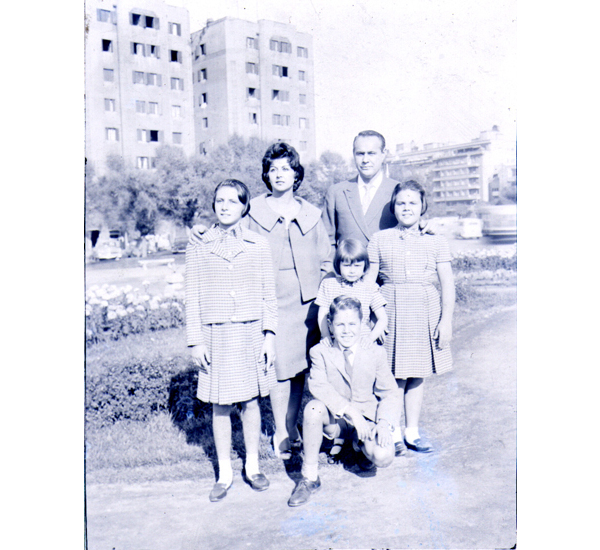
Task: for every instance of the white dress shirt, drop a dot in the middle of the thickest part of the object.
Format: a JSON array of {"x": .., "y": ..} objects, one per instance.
[{"x": 367, "y": 190}]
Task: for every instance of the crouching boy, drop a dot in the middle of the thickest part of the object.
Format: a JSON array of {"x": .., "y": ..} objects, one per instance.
[{"x": 355, "y": 395}]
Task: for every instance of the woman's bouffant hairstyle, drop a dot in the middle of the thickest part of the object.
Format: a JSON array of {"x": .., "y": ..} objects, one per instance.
[
  {"x": 350, "y": 250},
  {"x": 342, "y": 303},
  {"x": 282, "y": 150},
  {"x": 413, "y": 186},
  {"x": 242, "y": 191}
]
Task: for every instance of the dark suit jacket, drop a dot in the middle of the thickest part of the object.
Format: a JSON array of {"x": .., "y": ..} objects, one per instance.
[
  {"x": 372, "y": 388},
  {"x": 343, "y": 216}
]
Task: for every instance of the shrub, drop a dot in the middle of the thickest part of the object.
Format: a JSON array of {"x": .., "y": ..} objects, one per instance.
[{"x": 488, "y": 259}]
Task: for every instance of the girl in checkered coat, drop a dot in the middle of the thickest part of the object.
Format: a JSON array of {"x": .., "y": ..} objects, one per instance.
[
  {"x": 420, "y": 325},
  {"x": 231, "y": 320}
]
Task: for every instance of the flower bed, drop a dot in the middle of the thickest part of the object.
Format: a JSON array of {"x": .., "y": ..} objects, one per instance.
[
  {"x": 486, "y": 259},
  {"x": 113, "y": 312}
]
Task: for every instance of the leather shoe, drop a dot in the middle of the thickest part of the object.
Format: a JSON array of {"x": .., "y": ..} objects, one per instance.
[
  {"x": 400, "y": 448},
  {"x": 420, "y": 445},
  {"x": 219, "y": 492},
  {"x": 364, "y": 463},
  {"x": 303, "y": 491},
  {"x": 258, "y": 482}
]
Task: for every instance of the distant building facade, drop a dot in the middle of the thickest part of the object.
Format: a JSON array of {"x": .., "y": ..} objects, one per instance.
[
  {"x": 253, "y": 80},
  {"x": 137, "y": 81},
  {"x": 460, "y": 175}
]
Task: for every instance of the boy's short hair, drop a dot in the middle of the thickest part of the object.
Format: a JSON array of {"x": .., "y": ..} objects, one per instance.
[
  {"x": 350, "y": 250},
  {"x": 242, "y": 191},
  {"x": 342, "y": 303},
  {"x": 413, "y": 186}
]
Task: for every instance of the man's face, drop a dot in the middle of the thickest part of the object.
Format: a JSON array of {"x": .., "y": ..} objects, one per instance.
[{"x": 368, "y": 156}]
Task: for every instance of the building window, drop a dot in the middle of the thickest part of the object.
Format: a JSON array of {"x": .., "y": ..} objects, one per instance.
[
  {"x": 175, "y": 28},
  {"x": 302, "y": 99},
  {"x": 302, "y": 52},
  {"x": 278, "y": 70},
  {"x": 176, "y": 83},
  {"x": 109, "y": 75},
  {"x": 112, "y": 134},
  {"x": 152, "y": 50},
  {"x": 201, "y": 75},
  {"x": 153, "y": 135},
  {"x": 135, "y": 18},
  {"x": 176, "y": 111},
  {"x": 205, "y": 123},
  {"x": 142, "y": 163},
  {"x": 251, "y": 68},
  {"x": 252, "y": 93},
  {"x": 177, "y": 138},
  {"x": 137, "y": 48},
  {"x": 303, "y": 123},
  {"x": 303, "y": 146},
  {"x": 281, "y": 120},
  {"x": 302, "y": 76},
  {"x": 142, "y": 135},
  {"x": 103, "y": 15},
  {"x": 153, "y": 79},
  {"x": 175, "y": 56},
  {"x": 252, "y": 43},
  {"x": 152, "y": 108},
  {"x": 110, "y": 105},
  {"x": 253, "y": 118},
  {"x": 203, "y": 98},
  {"x": 280, "y": 95},
  {"x": 138, "y": 77},
  {"x": 202, "y": 148},
  {"x": 202, "y": 49},
  {"x": 280, "y": 46},
  {"x": 140, "y": 106},
  {"x": 151, "y": 22},
  {"x": 107, "y": 45}
]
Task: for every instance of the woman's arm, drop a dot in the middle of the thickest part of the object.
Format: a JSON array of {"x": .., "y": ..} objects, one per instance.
[
  {"x": 373, "y": 249},
  {"x": 322, "y": 320},
  {"x": 443, "y": 332}
]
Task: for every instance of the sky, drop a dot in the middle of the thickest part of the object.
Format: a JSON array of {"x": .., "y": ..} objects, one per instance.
[{"x": 415, "y": 70}]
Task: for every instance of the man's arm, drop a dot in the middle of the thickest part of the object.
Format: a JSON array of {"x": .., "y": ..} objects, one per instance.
[{"x": 328, "y": 216}]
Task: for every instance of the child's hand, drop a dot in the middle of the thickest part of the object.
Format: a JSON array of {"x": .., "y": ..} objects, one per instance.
[
  {"x": 363, "y": 430},
  {"x": 200, "y": 356},
  {"x": 429, "y": 227},
  {"x": 197, "y": 232},
  {"x": 327, "y": 341},
  {"x": 268, "y": 350},
  {"x": 381, "y": 339},
  {"x": 382, "y": 433},
  {"x": 443, "y": 334}
]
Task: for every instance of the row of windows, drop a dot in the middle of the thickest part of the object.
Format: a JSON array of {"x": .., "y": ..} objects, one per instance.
[
  {"x": 278, "y": 70},
  {"x": 277, "y": 46},
  {"x": 457, "y": 183},
  {"x": 149, "y": 79},
  {"x": 139, "y": 20},
  {"x": 145, "y": 136},
  {"x": 277, "y": 120},
  {"x": 144, "y": 107},
  {"x": 145, "y": 50},
  {"x": 469, "y": 193},
  {"x": 276, "y": 95}
]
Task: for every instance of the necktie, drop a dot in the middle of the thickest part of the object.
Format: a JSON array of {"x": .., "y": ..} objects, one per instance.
[
  {"x": 367, "y": 197},
  {"x": 347, "y": 363}
]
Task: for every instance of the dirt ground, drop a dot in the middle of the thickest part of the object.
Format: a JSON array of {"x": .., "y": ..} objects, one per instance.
[{"x": 461, "y": 496}]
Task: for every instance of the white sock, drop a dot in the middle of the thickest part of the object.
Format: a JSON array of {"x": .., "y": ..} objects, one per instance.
[
  {"x": 225, "y": 472},
  {"x": 397, "y": 434},
  {"x": 411, "y": 434},
  {"x": 310, "y": 471},
  {"x": 252, "y": 465}
]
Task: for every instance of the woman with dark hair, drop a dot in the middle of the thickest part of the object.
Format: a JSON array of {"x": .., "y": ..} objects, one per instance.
[{"x": 301, "y": 256}]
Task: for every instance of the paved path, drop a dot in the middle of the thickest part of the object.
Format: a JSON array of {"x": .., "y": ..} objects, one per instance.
[{"x": 462, "y": 496}]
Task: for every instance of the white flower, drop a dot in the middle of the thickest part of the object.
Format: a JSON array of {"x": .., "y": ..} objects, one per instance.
[{"x": 111, "y": 315}]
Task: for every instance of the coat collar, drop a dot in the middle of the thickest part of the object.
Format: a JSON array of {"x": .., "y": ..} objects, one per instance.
[
  {"x": 214, "y": 234},
  {"x": 266, "y": 217}
]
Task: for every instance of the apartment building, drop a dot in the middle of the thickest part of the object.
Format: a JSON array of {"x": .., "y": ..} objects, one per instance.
[
  {"x": 138, "y": 87},
  {"x": 253, "y": 80},
  {"x": 458, "y": 175}
]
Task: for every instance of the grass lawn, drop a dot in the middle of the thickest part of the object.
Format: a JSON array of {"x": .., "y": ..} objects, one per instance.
[{"x": 163, "y": 448}]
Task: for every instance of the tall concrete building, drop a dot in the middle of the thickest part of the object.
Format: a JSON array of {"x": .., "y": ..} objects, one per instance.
[
  {"x": 253, "y": 80},
  {"x": 138, "y": 87},
  {"x": 457, "y": 175}
]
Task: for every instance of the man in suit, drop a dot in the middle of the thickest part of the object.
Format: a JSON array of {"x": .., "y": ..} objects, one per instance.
[
  {"x": 355, "y": 396},
  {"x": 359, "y": 207}
]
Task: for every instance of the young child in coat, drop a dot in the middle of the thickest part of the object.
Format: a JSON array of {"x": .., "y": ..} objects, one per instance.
[
  {"x": 354, "y": 394},
  {"x": 231, "y": 318},
  {"x": 420, "y": 326}
]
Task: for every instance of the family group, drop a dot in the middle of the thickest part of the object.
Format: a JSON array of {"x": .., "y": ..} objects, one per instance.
[{"x": 279, "y": 293}]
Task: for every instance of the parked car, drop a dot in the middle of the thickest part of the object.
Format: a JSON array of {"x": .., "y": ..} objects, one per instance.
[
  {"x": 181, "y": 240},
  {"x": 499, "y": 221},
  {"x": 108, "y": 250},
  {"x": 469, "y": 228}
]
